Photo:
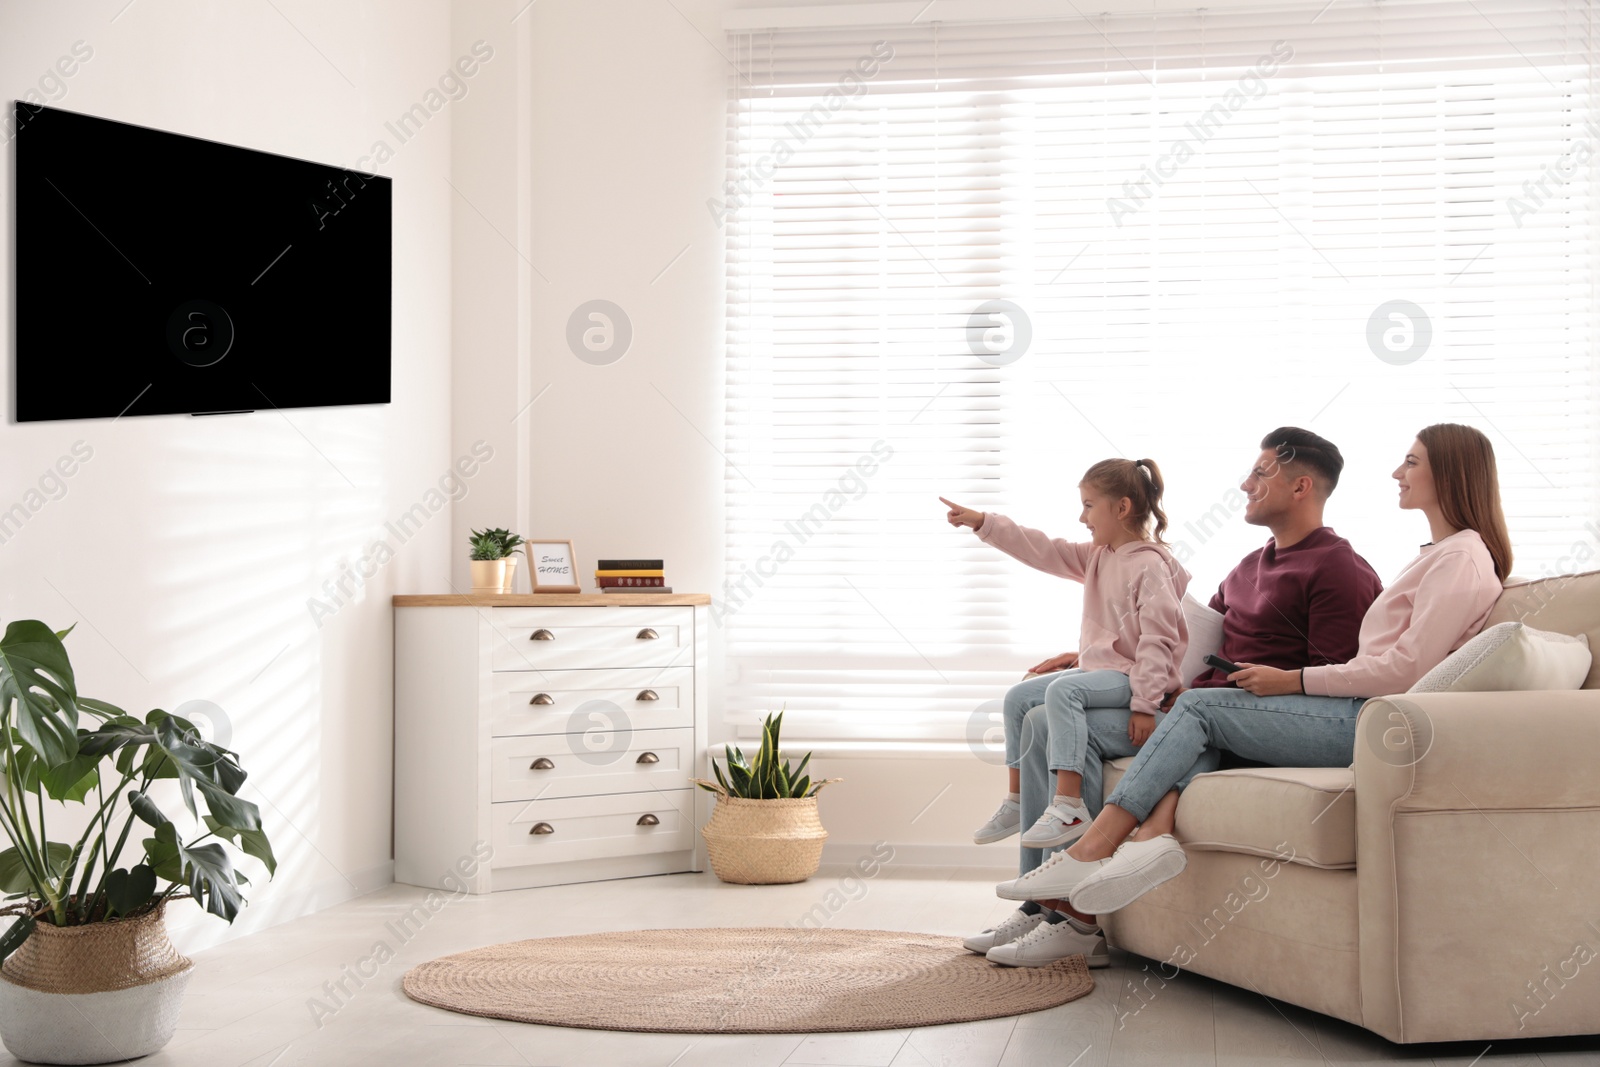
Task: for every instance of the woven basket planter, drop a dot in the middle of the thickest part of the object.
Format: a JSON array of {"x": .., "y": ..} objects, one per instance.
[
  {"x": 96, "y": 993},
  {"x": 764, "y": 842}
]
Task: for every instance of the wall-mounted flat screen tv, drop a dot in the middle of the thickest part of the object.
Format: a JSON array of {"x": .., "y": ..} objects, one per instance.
[{"x": 160, "y": 274}]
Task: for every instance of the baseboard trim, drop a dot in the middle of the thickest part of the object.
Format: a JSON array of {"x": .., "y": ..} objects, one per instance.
[
  {"x": 194, "y": 931},
  {"x": 985, "y": 858}
]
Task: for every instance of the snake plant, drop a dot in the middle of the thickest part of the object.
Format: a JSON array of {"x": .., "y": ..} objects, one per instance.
[{"x": 765, "y": 777}]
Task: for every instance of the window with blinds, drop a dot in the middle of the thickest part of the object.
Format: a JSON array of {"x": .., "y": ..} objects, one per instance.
[{"x": 969, "y": 260}]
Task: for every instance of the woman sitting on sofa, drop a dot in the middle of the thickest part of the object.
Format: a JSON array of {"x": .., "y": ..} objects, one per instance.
[{"x": 1306, "y": 717}]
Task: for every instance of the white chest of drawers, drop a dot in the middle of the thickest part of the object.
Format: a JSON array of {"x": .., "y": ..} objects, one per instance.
[{"x": 562, "y": 730}]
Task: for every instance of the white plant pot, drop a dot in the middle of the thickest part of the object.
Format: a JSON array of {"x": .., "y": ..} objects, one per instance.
[
  {"x": 96, "y": 993},
  {"x": 90, "y": 1027},
  {"x": 488, "y": 575},
  {"x": 510, "y": 585}
]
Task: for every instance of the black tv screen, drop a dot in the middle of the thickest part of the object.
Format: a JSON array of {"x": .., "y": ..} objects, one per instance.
[{"x": 161, "y": 274}]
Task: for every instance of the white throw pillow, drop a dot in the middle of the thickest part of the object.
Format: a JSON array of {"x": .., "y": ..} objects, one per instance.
[
  {"x": 1511, "y": 657},
  {"x": 1205, "y": 638}
]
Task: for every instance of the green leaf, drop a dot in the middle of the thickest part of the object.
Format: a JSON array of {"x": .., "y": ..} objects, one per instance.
[
  {"x": 252, "y": 842},
  {"x": 209, "y": 874},
  {"x": 128, "y": 891},
  {"x": 100, "y": 708},
  {"x": 35, "y": 672},
  {"x": 722, "y": 781},
  {"x": 23, "y": 766},
  {"x": 146, "y": 810},
  {"x": 802, "y": 785},
  {"x": 193, "y": 758},
  {"x": 15, "y": 935},
  {"x": 14, "y": 876},
  {"x": 72, "y": 780},
  {"x": 123, "y": 736},
  {"x": 229, "y": 809},
  {"x": 162, "y": 853},
  {"x": 255, "y": 843}
]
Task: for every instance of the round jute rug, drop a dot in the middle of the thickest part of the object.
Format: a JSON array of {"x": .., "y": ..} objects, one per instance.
[{"x": 759, "y": 980}]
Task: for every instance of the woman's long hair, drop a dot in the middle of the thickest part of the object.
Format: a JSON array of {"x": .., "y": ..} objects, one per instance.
[{"x": 1467, "y": 484}]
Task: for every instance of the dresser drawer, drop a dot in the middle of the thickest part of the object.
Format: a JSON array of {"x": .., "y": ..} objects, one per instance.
[
  {"x": 547, "y": 766},
  {"x": 559, "y": 702},
  {"x": 584, "y": 828},
  {"x": 536, "y": 639}
]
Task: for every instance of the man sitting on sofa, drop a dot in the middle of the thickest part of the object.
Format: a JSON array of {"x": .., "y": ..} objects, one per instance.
[{"x": 1298, "y": 600}]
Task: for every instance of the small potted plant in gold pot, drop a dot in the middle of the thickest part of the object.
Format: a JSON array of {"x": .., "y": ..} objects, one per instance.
[{"x": 488, "y": 563}]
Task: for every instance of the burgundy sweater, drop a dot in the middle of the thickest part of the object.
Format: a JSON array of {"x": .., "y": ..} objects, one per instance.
[{"x": 1294, "y": 607}]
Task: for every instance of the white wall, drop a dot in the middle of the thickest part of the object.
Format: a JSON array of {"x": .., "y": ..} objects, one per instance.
[
  {"x": 187, "y": 549},
  {"x": 621, "y": 109}
]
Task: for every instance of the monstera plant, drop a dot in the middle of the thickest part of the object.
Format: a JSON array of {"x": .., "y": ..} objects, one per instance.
[{"x": 119, "y": 869}]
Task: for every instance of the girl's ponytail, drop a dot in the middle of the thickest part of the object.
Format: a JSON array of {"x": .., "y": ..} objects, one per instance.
[{"x": 1155, "y": 488}]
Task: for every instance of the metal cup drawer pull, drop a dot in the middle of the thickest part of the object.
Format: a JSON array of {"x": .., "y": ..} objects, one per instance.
[
  {"x": 647, "y": 634},
  {"x": 541, "y": 634},
  {"x": 542, "y": 828},
  {"x": 648, "y": 820},
  {"x": 648, "y": 694},
  {"x": 542, "y": 698},
  {"x": 648, "y": 757},
  {"x": 541, "y": 764}
]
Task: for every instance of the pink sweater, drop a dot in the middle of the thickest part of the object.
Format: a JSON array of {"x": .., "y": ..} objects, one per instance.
[
  {"x": 1436, "y": 604},
  {"x": 1132, "y": 615}
]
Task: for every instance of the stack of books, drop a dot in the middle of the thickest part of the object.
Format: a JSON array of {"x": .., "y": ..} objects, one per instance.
[{"x": 632, "y": 576}]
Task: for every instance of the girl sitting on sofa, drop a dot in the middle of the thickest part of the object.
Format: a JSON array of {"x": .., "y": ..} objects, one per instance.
[{"x": 1132, "y": 639}]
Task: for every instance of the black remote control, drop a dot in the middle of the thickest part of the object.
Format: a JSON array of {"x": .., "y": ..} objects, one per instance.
[{"x": 1221, "y": 664}]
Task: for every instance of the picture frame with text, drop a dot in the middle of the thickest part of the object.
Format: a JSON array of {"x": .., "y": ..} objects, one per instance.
[{"x": 552, "y": 566}]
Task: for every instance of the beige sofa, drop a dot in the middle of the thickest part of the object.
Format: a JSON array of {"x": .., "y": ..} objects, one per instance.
[{"x": 1445, "y": 887}]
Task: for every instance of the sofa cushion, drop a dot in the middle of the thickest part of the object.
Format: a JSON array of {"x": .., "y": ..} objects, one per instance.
[
  {"x": 1511, "y": 657},
  {"x": 1565, "y": 603},
  {"x": 1205, "y": 638},
  {"x": 1304, "y": 815}
]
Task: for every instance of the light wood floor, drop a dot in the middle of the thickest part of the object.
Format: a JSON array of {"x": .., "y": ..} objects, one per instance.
[{"x": 253, "y": 1001}]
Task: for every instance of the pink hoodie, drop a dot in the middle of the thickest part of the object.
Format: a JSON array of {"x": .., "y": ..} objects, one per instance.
[
  {"x": 1132, "y": 615},
  {"x": 1437, "y": 603}
]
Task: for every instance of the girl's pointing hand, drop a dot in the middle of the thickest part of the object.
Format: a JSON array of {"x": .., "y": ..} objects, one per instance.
[{"x": 960, "y": 516}]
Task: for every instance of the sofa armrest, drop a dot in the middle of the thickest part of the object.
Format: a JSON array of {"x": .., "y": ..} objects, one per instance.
[
  {"x": 1444, "y": 751},
  {"x": 1475, "y": 817}
]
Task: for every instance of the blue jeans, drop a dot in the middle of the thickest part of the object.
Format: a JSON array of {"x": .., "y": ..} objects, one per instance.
[
  {"x": 1285, "y": 731},
  {"x": 1107, "y": 738},
  {"x": 1068, "y": 695}
]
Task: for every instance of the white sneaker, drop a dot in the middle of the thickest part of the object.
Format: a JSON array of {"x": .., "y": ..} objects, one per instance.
[
  {"x": 1012, "y": 927},
  {"x": 1062, "y": 823},
  {"x": 1048, "y": 942},
  {"x": 1054, "y": 879},
  {"x": 1006, "y": 821},
  {"x": 1131, "y": 872}
]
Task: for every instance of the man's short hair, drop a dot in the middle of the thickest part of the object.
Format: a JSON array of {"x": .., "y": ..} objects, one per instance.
[{"x": 1307, "y": 451}]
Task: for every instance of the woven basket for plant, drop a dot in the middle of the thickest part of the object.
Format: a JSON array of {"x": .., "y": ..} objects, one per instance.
[
  {"x": 764, "y": 842},
  {"x": 96, "y": 957}
]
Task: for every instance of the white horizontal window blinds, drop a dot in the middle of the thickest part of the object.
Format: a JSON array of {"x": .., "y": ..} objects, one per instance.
[{"x": 970, "y": 260}]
